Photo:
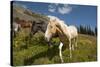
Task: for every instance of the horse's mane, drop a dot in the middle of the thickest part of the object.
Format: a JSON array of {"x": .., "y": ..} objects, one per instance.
[{"x": 59, "y": 21}]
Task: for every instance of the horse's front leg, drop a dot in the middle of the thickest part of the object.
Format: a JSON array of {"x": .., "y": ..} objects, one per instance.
[{"x": 60, "y": 52}]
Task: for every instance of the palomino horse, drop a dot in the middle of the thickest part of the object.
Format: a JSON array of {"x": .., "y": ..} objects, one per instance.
[{"x": 64, "y": 32}]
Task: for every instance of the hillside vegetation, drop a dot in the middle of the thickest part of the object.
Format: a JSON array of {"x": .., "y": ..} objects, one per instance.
[{"x": 34, "y": 50}]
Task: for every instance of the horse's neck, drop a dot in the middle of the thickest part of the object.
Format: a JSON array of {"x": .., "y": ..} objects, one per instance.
[
  {"x": 63, "y": 38},
  {"x": 63, "y": 31},
  {"x": 63, "y": 27}
]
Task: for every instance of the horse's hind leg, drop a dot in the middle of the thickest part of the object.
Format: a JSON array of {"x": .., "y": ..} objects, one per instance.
[
  {"x": 70, "y": 48},
  {"x": 76, "y": 41},
  {"x": 73, "y": 45},
  {"x": 60, "y": 52}
]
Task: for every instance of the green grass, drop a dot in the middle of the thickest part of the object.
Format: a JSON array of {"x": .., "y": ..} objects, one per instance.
[{"x": 34, "y": 50}]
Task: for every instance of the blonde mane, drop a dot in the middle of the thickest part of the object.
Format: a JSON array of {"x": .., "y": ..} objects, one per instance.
[
  {"x": 56, "y": 18},
  {"x": 59, "y": 21}
]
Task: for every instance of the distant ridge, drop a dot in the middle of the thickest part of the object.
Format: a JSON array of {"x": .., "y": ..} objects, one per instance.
[{"x": 27, "y": 15}]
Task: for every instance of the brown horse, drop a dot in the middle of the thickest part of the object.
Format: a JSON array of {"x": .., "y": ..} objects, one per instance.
[{"x": 25, "y": 24}]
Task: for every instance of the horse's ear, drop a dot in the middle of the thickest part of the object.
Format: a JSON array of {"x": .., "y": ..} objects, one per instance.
[
  {"x": 49, "y": 22},
  {"x": 54, "y": 20}
]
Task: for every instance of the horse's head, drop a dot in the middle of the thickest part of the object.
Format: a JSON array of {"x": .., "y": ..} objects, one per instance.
[{"x": 51, "y": 30}]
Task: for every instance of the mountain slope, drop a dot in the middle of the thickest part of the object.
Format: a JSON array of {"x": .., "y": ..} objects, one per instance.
[{"x": 26, "y": 14}]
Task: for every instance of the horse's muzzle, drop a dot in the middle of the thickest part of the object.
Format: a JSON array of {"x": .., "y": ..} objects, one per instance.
[
  {"x": 48, "y": 42},
  {"x": 47, "y": 39}
]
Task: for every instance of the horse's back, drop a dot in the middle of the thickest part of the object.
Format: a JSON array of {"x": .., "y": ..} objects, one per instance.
[{"x": 73, "y": 31}]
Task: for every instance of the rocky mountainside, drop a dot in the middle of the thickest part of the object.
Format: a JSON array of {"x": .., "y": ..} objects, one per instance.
[{"x": 27, "y": 15}]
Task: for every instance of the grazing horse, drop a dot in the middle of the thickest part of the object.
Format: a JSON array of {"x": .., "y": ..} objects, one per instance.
[
  {"x": 20, "y": 24},
  {"x": 38, "y": 26},
  {"x": 25, "y": 24},
  {"x": 64, "y": 32}
]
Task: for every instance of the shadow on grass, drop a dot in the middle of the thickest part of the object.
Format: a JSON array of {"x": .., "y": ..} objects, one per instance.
[{"x": 50, "y": 53}]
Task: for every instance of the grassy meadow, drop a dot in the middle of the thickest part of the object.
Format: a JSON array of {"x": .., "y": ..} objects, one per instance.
[{"x": 34, "y": 50}]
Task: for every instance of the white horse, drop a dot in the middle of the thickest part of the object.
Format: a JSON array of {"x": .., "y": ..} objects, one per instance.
[{"x": 65, "y": 33}]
